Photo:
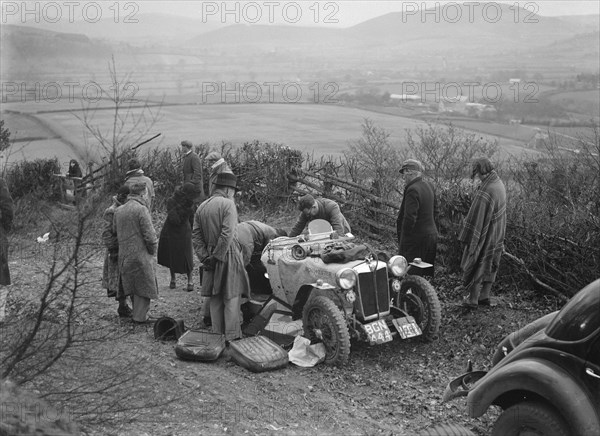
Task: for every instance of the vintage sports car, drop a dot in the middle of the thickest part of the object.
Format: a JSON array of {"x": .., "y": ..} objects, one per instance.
[
  {"x": 545, "y": 376},
  {"x": 342, "y": 290}
]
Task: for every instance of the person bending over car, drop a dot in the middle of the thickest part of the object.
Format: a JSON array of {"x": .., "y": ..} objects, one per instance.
[{"x": 319, "y": 208}]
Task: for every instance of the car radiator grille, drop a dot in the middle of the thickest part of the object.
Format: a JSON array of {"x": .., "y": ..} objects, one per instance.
[{"x": 368, "y": 288}]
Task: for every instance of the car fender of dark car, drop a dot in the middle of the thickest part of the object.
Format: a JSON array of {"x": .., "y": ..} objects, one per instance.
[
  {"x": 554, "y": 361},
  {"x": 527, "y": 373}
]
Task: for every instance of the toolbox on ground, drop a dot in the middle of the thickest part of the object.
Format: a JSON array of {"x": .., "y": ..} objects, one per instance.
[
  {"x": 258, "y": 354},
  {"x": 200, "y": 345}
]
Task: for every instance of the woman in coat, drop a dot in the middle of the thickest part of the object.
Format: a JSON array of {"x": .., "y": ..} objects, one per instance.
[{"x": 175, "y": 242}]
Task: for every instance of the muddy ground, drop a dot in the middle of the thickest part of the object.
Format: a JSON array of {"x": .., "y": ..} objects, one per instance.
[{"x": 118, "y": 380}]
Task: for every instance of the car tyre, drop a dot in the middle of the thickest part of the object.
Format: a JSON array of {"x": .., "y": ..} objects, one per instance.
[
  {"x": 530, "y": 418},
  {"x": 324, "y": 322},
  {"x": 418, "y": 298}
]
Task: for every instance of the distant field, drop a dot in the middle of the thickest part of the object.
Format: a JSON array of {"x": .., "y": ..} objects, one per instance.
[{"x": 319, "y": 129}]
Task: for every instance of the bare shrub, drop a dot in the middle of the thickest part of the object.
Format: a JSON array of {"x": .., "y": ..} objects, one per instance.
[{"x": 553, "y": 213}]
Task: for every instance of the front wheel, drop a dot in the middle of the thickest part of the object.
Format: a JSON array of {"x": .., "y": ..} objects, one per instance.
[
  {"x": 418, "y": 298},
  {"x": 530, "y": 418},
  {"x": 324, "y": 322}
]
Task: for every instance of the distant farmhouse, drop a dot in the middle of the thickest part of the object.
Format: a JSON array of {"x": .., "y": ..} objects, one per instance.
[{"x": 405, "y": 98}]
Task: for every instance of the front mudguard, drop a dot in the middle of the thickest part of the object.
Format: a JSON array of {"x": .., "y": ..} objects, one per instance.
[{"x": 540, "y": 378}]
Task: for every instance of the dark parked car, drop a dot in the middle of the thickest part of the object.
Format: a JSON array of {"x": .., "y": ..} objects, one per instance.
[{"x": 545, "y": 376}]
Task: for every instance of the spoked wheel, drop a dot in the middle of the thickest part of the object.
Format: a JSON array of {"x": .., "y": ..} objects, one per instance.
[
  {"x": 324, "y": 322},
  {"x": 418, "y": 298}
]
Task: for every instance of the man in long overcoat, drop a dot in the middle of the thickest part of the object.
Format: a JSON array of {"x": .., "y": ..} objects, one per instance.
[
  {"x": 482, "y": 234},
  {"x": 192, "y": 170},
  {"x": 320, "y": 208},
  {"x": 416, "y": 230},
  {"x": 224, "y": 279},
  {"x": 6, "y": 220},
  {"x": 137, "y": 247}
]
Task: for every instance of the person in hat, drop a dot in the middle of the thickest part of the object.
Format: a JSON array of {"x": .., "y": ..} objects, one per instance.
[
  {"x": 110, "y": 271},
  {"x": 415, "y": 226},
  {"x": 137, "y": 248},
  {"x": 224, "y": 279},
  {"x": 192, "y": 171},
  {"x": 217, "y": 165},
  {"x": 134, "y": 175},
  {"x": 319, "y": 208},
  {"x": 482, "y": 235},
  {"x": 175, "y": 241},
  {"x": 7, "y": 210}
]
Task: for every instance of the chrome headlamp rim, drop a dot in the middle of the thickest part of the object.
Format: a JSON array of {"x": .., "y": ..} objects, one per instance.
[
  {"x": 398, "y": 265},
  {"x": 346, "y": 278}
]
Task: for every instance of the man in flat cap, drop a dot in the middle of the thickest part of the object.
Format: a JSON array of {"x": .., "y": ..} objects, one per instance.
[
  {"x": 416, "y": 230},
  {"x": 482, "y": 235},
  {"x": 216, "y": 165},
  {"x": 192, "y": 171},
  {"x": 224, "y": 279},
  {"x": 137, "y": 246},
  {"x": 319, "y": 208}
]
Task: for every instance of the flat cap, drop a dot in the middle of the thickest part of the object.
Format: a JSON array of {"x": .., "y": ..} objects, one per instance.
[{"x": 412, "y": 165}]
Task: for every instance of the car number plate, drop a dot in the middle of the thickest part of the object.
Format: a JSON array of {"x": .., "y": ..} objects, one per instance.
[
  {"x": 407, "y": 327},
  {"x": 378, "y": 332}
]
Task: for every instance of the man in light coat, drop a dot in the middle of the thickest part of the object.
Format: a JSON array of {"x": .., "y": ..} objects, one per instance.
[
  {"x": 482, "y": 235},
  {"x": 224, "y": 279},
  {"x": 192, "y": 171},
  {"x": 137, "y": 247}
]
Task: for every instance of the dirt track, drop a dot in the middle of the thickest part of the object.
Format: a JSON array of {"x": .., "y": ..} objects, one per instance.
[{"x": 130, "y": 384}]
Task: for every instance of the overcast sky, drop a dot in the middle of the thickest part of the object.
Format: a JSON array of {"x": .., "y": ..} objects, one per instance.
[{"x": 341, "y": 13}]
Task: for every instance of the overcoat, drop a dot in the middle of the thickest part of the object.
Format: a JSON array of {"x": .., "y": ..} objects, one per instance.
[
  {"x": 482, "y": 232},
  {"x": 416, "y": 229},
  {"x": 252, "y": 237},
  {"x": 6, "y": 220},
  {"x": 175, "y": 242},
  {"x": 110, "y": 272},
  {"x": 137, "y": 247},
  {"x": 215, "y": 224},
  {"x": 192, "y": 172}
]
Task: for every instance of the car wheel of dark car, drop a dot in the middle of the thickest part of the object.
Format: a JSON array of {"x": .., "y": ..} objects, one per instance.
[
  {"x": 418, "y": 298},
  {"x": 324, "y": 322},
  {"x": 530, "y": 418}
]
